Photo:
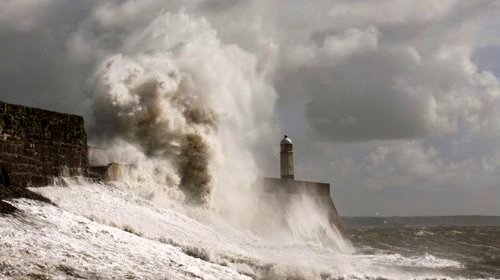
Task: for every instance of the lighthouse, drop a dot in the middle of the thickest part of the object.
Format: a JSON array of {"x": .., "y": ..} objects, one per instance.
[
  {"x": 286, "y": 158},
  {"x": 286, "y": 189}
]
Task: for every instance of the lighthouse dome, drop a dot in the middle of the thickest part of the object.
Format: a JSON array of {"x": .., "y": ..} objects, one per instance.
[{"x": 286, "y": 140}]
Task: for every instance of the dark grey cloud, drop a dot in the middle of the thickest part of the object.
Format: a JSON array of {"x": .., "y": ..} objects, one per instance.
[
  {"x": 356, "y": 102},
  {"x": 391, "y": 76},
  {"x": 487, "y": 57},
  {"x": 35, "y": 68}
]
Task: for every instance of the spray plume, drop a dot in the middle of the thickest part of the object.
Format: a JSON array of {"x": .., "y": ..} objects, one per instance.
[
  {"x": 184, "y": 100},
  {"x": 186, "y": 110}
]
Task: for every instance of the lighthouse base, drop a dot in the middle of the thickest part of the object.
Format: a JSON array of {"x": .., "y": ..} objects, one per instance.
[{"x": 286, "y": 193}]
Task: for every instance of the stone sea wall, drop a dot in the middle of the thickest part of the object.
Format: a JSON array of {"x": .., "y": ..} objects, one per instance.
[{"x": 37, "y": 145}]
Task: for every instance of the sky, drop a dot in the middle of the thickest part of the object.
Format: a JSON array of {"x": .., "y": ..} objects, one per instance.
[{"x": 395, "y": 103}]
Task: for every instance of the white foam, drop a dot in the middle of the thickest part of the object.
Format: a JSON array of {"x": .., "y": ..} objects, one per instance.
[
  {"x": 46, "y": 241},
  {"x": 427, "y": 261},
  {"x": 213, "y": 238}
]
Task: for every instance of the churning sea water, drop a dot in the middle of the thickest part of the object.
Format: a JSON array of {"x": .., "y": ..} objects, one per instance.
[
  {"x": 118, "y": 231},
  {"x": 472, "y": 251}
]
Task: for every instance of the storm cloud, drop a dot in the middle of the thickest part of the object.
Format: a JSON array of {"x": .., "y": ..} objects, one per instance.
[{"x": 394, "y": 102}]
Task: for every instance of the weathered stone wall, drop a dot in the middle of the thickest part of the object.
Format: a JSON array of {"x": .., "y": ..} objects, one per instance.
[{"x": 37, "y": 145}]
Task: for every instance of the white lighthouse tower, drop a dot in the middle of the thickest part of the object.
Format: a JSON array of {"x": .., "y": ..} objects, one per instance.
[{"x": 286, "y": 158}]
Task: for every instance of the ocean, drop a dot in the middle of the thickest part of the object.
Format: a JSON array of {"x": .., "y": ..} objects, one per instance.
[{"x": 475, "y": 249}]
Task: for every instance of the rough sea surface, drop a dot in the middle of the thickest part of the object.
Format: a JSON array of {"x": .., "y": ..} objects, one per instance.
[
  {"x": 476, "y": 248},
  {"x": 109, "y": 231}
]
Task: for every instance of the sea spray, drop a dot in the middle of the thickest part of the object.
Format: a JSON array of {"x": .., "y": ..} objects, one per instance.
[
  {"x": 186, "y": 112},
  {"x": 176, "y": 84},
  {"x": 88, "y": 212},
  {"x": 193, "y": 169}
]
